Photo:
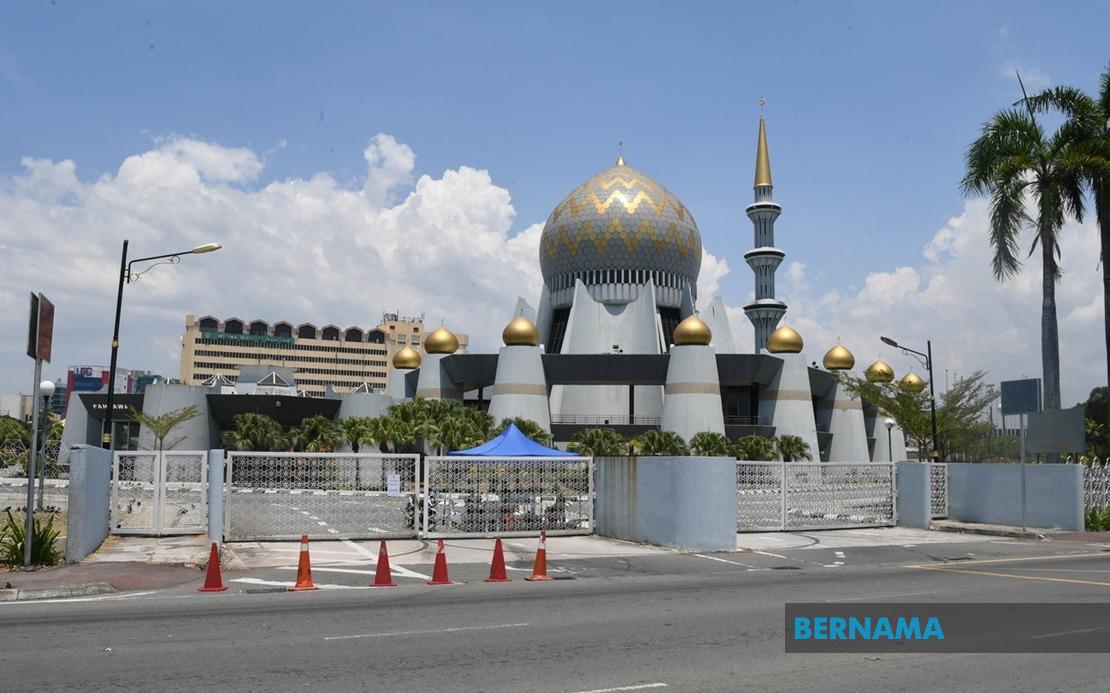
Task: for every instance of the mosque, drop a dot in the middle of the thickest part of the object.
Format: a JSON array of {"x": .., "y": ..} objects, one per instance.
[{"x": 614, "y": 341}]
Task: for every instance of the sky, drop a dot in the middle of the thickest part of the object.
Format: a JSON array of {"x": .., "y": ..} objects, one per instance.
[{"x": 356, "y": 158}]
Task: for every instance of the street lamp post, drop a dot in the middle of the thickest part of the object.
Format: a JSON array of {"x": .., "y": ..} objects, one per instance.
[
  {"x": 107, "y": 438},
  {"x": 928, "y": 360},
  {"x": 46, "y": 389},
  {"x": 889, "y": 423}
]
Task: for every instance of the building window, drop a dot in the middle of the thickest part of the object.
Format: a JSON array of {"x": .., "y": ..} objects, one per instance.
[{"x": 233, "y": 327}]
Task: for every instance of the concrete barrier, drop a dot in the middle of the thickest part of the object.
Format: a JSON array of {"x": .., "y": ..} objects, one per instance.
[
  {"x": 991, "y": 494},
  {"x": 216, "y": 467},
  {"x": 912, "y": 483},
  {"x": 680, "y": 502},
  {"x": 90, "y": 480}
]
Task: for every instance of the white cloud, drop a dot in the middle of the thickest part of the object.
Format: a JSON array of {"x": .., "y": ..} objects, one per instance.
[
  {"x": 709, "y": 278},
  {"x": 1034, "y": 78},
  {"x": 298, "y": 250}
]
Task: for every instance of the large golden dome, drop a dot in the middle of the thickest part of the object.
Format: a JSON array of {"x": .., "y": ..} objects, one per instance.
[
  {"x": 520, "y": 332},
  {"x": 441, "y": 341},
  {"x": 839, "y": 359},
  {"x": 879, "y": 372},
  {"x": 911, "y": 383},
  {"x": 619, "y": 229},
  {"x": 692, "y": 330},
  {"x": 784, "y": 340},
  {"x": 407, "y": 357}
]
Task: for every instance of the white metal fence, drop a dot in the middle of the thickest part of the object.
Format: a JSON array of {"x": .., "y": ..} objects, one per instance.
[
  {"x": 507, "y": 496},
  {"x": 788, "y": 496},
  {"x": 1096, "y": 483},
  {"x": 938, "y": 490},
  {"x": 283, "y": 495},
  {"x": 160, "y": 493}
]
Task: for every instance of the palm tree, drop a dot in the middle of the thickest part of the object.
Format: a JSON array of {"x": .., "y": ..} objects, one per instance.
[
  {"x": 316, "y": 434},
  {"x": 792, "y": 448},
  {"x": 162, "y": 425},
  {"x": 710, "y": 444},
  {"x": 1089, "y": 125},
  {"x": 255, "y": 433},
  {"x": 660, "y": 443},
  {"x": 528, "y": 427},
  {"x": 755, "y": 448},
  {"x": 598, "y": 442},
  {"x": 1015, "y": 162},
  {"x": 457, "y": 432},
  {"x": 356, "y": 430}
]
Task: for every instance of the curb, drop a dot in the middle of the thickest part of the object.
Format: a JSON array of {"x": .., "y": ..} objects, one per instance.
[
  {"x": 84, "y": 589},
  {"x": 986, "y": 530}
]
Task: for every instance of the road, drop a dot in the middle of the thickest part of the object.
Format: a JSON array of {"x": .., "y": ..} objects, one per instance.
[{"x": 682, "y": 622}]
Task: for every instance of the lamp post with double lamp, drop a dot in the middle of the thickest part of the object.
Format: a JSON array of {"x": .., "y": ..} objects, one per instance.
[
  {"x": 889, "y": 423},
  {"x": 107, "y": 438},
  {"x": 927, "y": 360}
]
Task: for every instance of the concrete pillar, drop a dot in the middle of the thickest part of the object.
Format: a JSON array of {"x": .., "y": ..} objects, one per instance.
[
  {"x": 914, "y": 506},
  {"x": 396, "y": 386},
  {"x": 216, "y": 496},
  {"x": 519, "y": 387},
  {"x": 434, "y": 383},
  {"x": 199, "y": 433},
  {"x": 849, "y": 436},
  {"x": 787, "y": 402},
  {"x": 692, "y": 395}
]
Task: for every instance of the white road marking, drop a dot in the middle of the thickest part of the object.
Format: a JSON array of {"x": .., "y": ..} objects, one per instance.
[
  {"x": 275, "y": 583},
  {"x": 768, "y": 553},
  {"x": 874, "y": 597},
  {"x": 839, "y": 554},
  {"x": 397, "y": 570},
  {"x": 69, "y": 600},
  {"x": 640, "y": 687},
  {"x": 425, "y": 632},
  {"x": 723, "y": 560},
  {"x": 1068, "y": 632}
]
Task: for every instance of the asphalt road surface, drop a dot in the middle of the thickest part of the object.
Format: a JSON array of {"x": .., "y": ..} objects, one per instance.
[{"x": 682, "y": 622}]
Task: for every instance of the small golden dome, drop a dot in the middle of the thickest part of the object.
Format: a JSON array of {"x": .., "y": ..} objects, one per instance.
[
  {"x": 407, "y": 357},
  {"x": 520, "y": 332},
  {"x": 879, "y": 372},
  {"x": 441, "y": 341},
  {"x": 692, "y": 330},
  {"x": 911, "y": 383},
  {"x": 839, "y": 359},
  {"x": 784, "y": 340}
]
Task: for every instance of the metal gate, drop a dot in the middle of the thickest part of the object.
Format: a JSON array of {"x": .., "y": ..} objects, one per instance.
[
  {"x": 508, "y": 496},
  {"x": 160, "y": 493},
  {"x": 789, "y": 496},
  {"x": 938, "y": 490},
  {"x": 282, "y": 495}
]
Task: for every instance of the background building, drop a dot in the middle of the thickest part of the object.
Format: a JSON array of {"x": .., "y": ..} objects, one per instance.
[
  {"x": 95, "y": 379},
  {"x": 319, "y": 357}
]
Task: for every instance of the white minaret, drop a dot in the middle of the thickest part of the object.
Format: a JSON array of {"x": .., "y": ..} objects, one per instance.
[
  {"x": 766, "y": 310},
  {"x": 787, "y": 402},
  {"x": 845, "y": 413},
  {"x": 692, "y": 396},
  {"x": 519, "y": 386},
  {"x": 404, "y": 361},
  {"x": 433, "y": 382}
]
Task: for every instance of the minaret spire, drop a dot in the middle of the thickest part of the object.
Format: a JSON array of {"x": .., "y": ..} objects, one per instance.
[{"x": 765, "y": 311}]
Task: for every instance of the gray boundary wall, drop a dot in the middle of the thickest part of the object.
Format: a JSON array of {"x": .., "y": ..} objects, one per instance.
[
  {"x": 680, "y": 502},
  {"x": 914, "y": 499},
  {"x": 991, "y": 494},
  {"x": 90, "y": 480}
]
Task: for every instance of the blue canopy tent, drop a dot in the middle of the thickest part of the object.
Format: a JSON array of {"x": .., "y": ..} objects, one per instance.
[{"x": 512, "y": 443}]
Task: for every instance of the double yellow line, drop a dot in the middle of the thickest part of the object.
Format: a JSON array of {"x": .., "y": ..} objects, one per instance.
[{"x": 959, "y": 568}]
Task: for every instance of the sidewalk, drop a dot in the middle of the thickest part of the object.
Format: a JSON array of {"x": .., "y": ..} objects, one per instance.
[{"x": 95, "y": 578}]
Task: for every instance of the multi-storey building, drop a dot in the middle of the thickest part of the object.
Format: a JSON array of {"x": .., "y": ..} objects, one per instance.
[{"x": 318, "y": 356}]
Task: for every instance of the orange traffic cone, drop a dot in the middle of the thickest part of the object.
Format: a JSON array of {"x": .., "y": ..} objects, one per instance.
[
  {"x": 382, "y": 575},
  {"x": 497, "y": 567},
  {"x": 439, "y": 574},
  {"x": 213, "y": 581},
  {"x": 304, "y": 570},
  {"x": 539, "y": 570}
]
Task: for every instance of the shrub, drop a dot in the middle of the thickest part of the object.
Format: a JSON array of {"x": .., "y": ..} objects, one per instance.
[
  {"x": 1098, "y": 519},
  {"x": 43, "y": 538}
]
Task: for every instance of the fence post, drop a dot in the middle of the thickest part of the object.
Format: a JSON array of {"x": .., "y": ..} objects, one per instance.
[
  {"x": 590, "y": 492},
  {"x": 782, "y": 481},
  {"x": 216, "y": 495}
]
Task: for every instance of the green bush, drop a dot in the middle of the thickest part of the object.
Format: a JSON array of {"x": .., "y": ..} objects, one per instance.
[
  {"x": 43, "y": 539},
  {"x": 1098, "y": 519}
]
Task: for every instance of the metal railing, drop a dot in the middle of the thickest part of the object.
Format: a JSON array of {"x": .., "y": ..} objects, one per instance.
[
  {"x": 746, "y": 421},
  {"x": 607, "y": 420},
  {"x": 507, "y": 496},
  {"x": 938, "y": 490},
  {"x": 789, "y": 496},
  {"x": 159, "y": 493},
  {"x": 1096, "y": 482},
  {"x": 283, "y": 495}
]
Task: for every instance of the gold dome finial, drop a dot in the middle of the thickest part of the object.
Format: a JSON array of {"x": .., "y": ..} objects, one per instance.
[
  {"x": 441, "y": 341},
  {"x": 762, "y": 158},
  {"x": 620, "y": 153},
  {"x": 911, "y": 383},
  {"x": 839, "y": 359},
  {"x": 520, "y": 332},
  {"x": 407, "y": 357},
  {"x": 879, "y": 372},
  {"x": 784, "y": 340},
  {"x": 692, "y": 331}
]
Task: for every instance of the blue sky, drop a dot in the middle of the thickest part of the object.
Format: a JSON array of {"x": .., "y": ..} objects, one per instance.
[{"x": 870, "y": 105}]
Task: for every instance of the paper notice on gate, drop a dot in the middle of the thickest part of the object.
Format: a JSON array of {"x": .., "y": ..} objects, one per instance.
[{"x": 393, "y": 485}]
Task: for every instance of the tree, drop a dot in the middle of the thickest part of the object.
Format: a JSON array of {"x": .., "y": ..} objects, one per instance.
[
  {"x": 598, "y": 442},
  {"x": 528, "y": 427},
  {"x": 1015, "y": 162},
  {"x": 316, "y": 434},
  {"x": 356, "y": 431},
  {"x": 255, "y": 433},
  {"x": 1097, "y": 411},
  {"x": 756, "y": 448},
  {"x": 792, "y": 448},
  {"x": 1088, "y": 123},
  {"x": 161, "y": 426},
  {"x": 660, "y": 443},
  {"x": 960, "y": 424},
  {"x": 710, "y": 444}
]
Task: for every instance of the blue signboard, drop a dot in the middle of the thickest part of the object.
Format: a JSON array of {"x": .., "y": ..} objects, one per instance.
[{"x": 1021, "y": 396}]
